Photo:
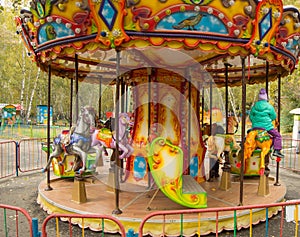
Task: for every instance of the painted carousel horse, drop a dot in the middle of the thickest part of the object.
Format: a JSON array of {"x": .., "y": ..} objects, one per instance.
[
  {"x": 105, "y": 137},
  {"x": 220, "y": 145},
  {"x": 77, "y": 141},
  {"x": 258, "y": 138}
]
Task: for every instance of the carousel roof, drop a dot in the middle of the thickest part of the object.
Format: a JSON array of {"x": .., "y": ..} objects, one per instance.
[{"x": 202, "y": 35}]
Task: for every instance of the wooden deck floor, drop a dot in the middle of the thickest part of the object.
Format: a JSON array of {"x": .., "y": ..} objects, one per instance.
[{"x": 136, "y": 201}]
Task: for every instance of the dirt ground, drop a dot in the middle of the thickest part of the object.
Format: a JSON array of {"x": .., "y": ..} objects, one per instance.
[{"x": 22, "y": 192}]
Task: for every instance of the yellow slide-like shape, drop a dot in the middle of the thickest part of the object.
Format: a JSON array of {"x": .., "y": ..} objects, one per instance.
[{"x": 166, "y": 165}]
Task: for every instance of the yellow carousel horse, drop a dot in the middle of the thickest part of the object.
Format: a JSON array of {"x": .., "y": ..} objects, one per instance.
[{"x": 258, "y": 138}]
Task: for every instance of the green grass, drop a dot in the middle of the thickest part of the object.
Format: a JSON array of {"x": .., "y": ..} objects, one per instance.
[{"x": 28, "y": 131}]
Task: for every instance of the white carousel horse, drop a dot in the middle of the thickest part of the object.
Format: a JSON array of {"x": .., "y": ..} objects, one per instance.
[
  {"x": 78, "y": 141},
  {"x": 220, "y": 142},
  {"x": 105, "y": 137}
]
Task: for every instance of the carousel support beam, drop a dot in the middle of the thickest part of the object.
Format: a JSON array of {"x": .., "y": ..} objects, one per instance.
[
  {"x": 188, "y": 161},
  {"x": 149, "y": 73},
  {"x": 76, "y": 87},
  {"x": 122, "y": 96},
  {"x": 225, "y": 179},
  {"x": 244, "y": 94},
  {"x": 126, "y": 98},
  {"x": 279, "y": 110},
  {"x": 117, "y": 210},
  {"x": 210, "y": 103},
  {"x": 49, "y": 188},
  {"x": 202, "y": 106},
  {"x": 71, "y": 102},
  {"x": 267, "y": 77},
  {"x": 226, "y": 93},
  {"x": 100, "y": 98}
]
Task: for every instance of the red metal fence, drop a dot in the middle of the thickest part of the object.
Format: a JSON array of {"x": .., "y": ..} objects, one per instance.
[
  {"x": 8, "y": 158},
  {"x": 101, "y": 221},
  {"x": 165, "y": 216},
  {"x": 30, "y": 154},
  {"x": 15, "y": 222}
]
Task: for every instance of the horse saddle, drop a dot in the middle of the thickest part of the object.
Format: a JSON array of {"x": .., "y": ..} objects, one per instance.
[
  {"x": 105, "y": 135},
  {"x": 262, "y": 135}
]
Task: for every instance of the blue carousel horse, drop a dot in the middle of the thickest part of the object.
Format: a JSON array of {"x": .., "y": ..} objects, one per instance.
[{"x": 77, "y": 142}]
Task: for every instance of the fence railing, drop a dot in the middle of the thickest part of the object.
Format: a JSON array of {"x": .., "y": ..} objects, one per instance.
[
  {"x": 21, "y": 156},
  {"x": 8, "y": 158},
  {"x": 165, "y": 217},
  {"x": 16, "y": 222},
  {"x": 102, "y": 221},
  {"x": 30, "y": 154},
  {"x": 291, "y": 153}
]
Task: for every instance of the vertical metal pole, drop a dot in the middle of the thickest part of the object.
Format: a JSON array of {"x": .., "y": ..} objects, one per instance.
[
  {"x": 117, "y": 160},
  {"x": 71, "y": 102},
  {"x": 243, "y": 131},
  {"x": 100, "y": 98},
  {"x": 267, "y": 77},
  {"x": 126, "y": 98},
  {"x": 226, "y": 94},
  {"x": 122, "y": 95},
  {"x": 210, "y": 104},
  {"x": 149, "y": 73},
  {"x": 279, "y": 110},
  {"x": 189, "y": 124},
  {"x": 76, "y": 87},
  {"x": 202, "y": 104},
  {"x": 48, "y": 127}
]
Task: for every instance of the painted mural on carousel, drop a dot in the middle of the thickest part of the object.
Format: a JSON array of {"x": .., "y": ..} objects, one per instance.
[{"x": 59, "y": 28}]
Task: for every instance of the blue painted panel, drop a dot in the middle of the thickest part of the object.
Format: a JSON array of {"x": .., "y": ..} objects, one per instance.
[{"x": 139, "y": 167}]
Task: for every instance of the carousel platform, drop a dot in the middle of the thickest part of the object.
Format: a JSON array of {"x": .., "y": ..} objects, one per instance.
[{"x": 136, "y": 201}]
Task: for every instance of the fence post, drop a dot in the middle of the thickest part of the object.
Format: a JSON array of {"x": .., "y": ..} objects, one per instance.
[
  {"x": 17, "y": 158},
  {"x": 35, "y": 228}
]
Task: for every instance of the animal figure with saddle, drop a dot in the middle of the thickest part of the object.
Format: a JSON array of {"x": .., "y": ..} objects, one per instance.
[
  {"x": 106, "y": 138},
  {"x": 77, "y": 142},
  {"x": 263, "y": 133},
  {"x": 218, "y": 144}
]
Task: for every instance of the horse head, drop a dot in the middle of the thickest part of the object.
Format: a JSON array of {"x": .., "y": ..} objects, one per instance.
[
  {"x": 125, "y": 120},
  {"x": 87, "y": 115}
]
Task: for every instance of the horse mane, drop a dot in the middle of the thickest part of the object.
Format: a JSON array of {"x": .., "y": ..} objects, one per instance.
[{"x": 90, "y": 109}]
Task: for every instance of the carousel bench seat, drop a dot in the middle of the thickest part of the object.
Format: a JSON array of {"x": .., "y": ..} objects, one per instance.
[{"x": 190, "y": 185}]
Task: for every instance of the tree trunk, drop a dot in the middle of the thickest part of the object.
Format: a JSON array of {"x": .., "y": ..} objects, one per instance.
[{"x": 32, "y": 94}]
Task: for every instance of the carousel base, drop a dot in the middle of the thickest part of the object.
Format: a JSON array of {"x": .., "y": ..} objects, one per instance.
[{"x": 136, "y": 201}]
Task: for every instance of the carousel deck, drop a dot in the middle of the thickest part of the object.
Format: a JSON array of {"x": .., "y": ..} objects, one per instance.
[{"x": 136, "y": 202}]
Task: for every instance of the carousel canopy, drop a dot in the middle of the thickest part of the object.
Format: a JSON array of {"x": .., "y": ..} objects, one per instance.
[{"x": 203, "y": 36}]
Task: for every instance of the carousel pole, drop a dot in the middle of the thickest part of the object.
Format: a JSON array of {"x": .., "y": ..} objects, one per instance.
[
  {"x": 187, "y": 161},
  {"x": 226, "y": 93},
  {"x": 279, "y": 109},
  {"x": 225, "y": 179},
  {"x": 49, "y": 188},
  {"x": 71, "y": 102},
  {"x": 122, "y": 95},
  {"x": 100, "y": 97},
  {"x": 210, "y": 104},
  {"x": 202, "y": 105},
  {"x": 126, "y": 98},
  {"x": 117, "y": 160},
  {"x": 149, "y": 74},
  {"x": 243, "y": 131},
  {"x": 267, "y": 77},
  {"x": 76, "y": 87}
]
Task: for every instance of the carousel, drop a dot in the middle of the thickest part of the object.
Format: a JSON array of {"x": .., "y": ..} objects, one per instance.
[{"x": 160, "y": 56}]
